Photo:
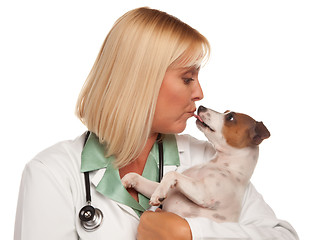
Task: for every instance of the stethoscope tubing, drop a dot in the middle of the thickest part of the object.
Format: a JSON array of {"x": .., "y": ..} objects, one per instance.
[
  {"x": 91, "y": 218},
  {"x": 86, "y": 176}
]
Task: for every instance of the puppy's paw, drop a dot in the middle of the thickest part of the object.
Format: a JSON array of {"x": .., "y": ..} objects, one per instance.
[
  {"x": 130, "y": 180},
  {"x": 168, "y": 182},
  {"x": 156, "y": 200}
]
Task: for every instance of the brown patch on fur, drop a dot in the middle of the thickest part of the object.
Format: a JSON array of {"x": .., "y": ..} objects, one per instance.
[
  {"x": 219, "y": 216},
  {"x": 214, "y": 160},
  {"x": 217, "y": 203},
  {"x": 194, "y": 212},
  {"x": 243, "y": 131}
]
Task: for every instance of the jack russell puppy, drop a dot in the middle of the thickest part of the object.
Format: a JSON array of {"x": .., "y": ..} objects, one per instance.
[{"x": 214, "y": 189}]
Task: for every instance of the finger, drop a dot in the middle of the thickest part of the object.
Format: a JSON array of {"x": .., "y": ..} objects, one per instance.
[{"x": 158, "y": 210}]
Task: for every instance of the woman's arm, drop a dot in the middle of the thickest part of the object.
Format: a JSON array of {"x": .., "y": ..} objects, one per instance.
[
  {"x": 162, "y": 225},
  {"x": 45, "y": 208},
  {"x": 257, "y": 222}
]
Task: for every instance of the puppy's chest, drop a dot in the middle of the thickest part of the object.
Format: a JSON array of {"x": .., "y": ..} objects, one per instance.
[
  {"x": 220, "y": 199},
  {"x": 211, "y": 171}
]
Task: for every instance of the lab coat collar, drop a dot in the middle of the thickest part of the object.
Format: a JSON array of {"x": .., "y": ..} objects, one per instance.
[
  {"x": 181, "y": 145},
  {"x": 93, "y": 153},
  {"x": 107, "y": 179}
]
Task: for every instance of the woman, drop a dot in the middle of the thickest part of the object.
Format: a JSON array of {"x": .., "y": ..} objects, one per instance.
[{"x": 144, "y": 84}]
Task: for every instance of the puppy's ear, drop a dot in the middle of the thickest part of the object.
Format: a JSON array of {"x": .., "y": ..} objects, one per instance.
[{"x": 259, "y": 133}]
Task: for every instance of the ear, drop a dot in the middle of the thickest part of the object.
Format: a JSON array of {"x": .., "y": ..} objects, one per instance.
[{"x": 259, "y": 133}]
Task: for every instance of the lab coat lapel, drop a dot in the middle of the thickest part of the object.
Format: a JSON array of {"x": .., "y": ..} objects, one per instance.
[
  {"x": 107, "y": 179},
  {"x": 184, "y": 152},
  {"x": 111, "y": 186},
  {"x": 95, "y": 181}
]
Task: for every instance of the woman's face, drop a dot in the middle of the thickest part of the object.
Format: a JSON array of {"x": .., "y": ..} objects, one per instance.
[{"x": 179, "y": 91}]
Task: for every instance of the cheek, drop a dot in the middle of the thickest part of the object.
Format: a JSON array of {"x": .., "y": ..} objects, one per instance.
[
  {"x": 172, "y": 96},
  {"x": 169, "y": 115},
  {"x": 172, "y": 99},
  {"x": 236, "y": 136}
]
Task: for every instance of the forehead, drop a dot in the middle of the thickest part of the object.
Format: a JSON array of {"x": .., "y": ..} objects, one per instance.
[
  {"x": 241, "y": 120},
  {"x": 184, "y": 70},
  {"x": 244, "y": 118}
]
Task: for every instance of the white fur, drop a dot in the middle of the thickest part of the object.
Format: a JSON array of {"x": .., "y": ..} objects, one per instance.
[{"x": 214, "y": 189}]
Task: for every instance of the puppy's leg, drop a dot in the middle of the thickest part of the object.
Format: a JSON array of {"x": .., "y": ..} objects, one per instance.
[
  {"x": 139, "y": 183},
  {"x": 194, "y": 190}
]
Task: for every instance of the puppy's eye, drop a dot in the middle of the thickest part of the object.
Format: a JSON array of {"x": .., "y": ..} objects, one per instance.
[{"x": 230, "y": 117}]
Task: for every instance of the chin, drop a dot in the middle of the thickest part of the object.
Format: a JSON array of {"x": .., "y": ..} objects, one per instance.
[
  {"x": 180, "y": 128},
  {"x": 172, "y": 127},
  {"x": 174, "y": 130}
]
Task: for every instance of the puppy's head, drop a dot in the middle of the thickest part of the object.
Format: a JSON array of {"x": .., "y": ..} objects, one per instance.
[{"x": 233, "y": 129}]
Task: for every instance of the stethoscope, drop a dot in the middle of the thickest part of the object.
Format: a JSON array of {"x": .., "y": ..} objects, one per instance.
[{"x": 90, "y": 217}]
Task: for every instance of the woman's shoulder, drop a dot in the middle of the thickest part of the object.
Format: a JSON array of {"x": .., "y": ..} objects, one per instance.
[
  {"x": 194, "y": 147},
  {"x": 62, "y": 156},
  {"x": 186, "y": 140}
]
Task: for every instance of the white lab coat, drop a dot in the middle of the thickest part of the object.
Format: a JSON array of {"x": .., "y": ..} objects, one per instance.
[{"x": 52, "y": 193}]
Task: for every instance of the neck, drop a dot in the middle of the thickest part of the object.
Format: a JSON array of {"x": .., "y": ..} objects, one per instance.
[
  {"x": 240, "y": 161},
  {"x": 138, "y": 164}
]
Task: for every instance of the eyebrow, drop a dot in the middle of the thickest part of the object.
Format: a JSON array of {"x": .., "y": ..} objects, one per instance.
[{"x": 192, "y": 69}]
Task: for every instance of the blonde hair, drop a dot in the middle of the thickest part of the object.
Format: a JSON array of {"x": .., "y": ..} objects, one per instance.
[{"x": 118, "y": 99}]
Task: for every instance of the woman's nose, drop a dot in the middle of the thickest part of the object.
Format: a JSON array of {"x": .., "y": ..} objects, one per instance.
[{"x": 197, "y": 92}]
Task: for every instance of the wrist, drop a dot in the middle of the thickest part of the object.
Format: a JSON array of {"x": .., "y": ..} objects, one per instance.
[{"x": 184, "y": 230}]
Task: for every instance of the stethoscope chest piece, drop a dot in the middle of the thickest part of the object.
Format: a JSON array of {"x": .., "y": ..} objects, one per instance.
[{"x": 90, "y": 218}]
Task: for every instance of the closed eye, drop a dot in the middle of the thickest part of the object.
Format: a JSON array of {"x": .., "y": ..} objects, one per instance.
[{"x": 188, "y": 80}]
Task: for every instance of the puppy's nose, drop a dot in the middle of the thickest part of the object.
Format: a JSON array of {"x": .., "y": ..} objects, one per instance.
[{"x": 202, "y": 109}]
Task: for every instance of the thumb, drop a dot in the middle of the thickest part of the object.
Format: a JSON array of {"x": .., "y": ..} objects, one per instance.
[{"x": 159, "y": 210}]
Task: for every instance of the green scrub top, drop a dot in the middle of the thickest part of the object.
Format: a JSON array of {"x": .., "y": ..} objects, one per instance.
[{"x": 93, "y": 158}]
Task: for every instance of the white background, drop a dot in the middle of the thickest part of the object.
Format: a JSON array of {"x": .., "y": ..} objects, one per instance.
[{"x": 267, "y": 60}]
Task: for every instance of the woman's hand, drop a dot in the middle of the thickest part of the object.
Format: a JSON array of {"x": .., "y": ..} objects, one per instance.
[{"x": 162, "y": 225}]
